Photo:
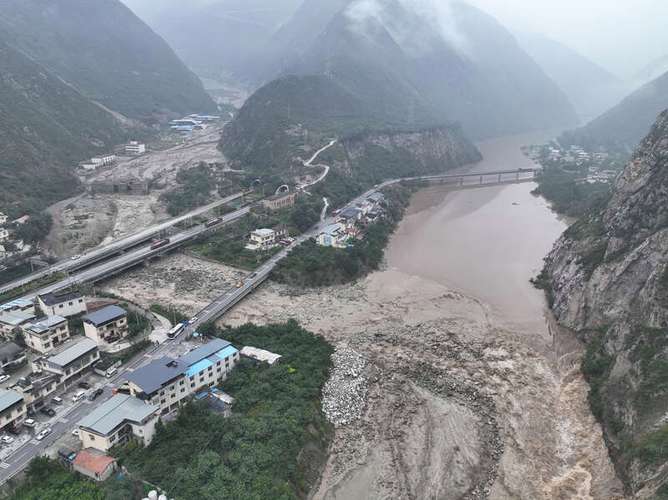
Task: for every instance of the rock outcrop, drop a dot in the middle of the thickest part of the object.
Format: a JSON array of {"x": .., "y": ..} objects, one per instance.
[{"x": 608, "y": 280}]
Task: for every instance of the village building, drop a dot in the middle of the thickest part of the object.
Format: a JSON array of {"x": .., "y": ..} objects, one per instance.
[
  {"x": 280, "y": 201},
  {"x": 65, "y": 304},
  {"x": 135, "y": 148},
  {"x": 94, "y": 464},
  {"x": 262, "y": 239},
  {"x": 17, "y": 305},
  {"x": 12, "y": 321},
  {"x": 260, "y": 355},
  {"x": 334, "y": 235},
  {"x": 47, "y": 334},
  {"x": 36, "y": 388},
  {"x": 350, "y": 215},
  {"x": 4, "y": 234},
  {"x": 3, "y": 219},
  {"x": 70, "y": 361},
  {"x": 12, "y": 356},
  {"x": 117, "y": 421},
  {"x": 106, "y": 325},
  {"x": 12, "y": 409},
  {"x": 169, "y": 382}
]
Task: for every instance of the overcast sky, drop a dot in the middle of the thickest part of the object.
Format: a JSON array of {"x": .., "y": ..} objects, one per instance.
[{"x": 622, "y": 35}]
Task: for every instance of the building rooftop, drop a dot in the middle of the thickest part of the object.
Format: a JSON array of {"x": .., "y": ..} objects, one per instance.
[
  {"x": 52, "y": 299},
  {"x": 72, "y": 350},
  {"x": 349, "y": 213},
  {"x": 16, "y": 318},
  {"x": 204, "y": 351},
  {"x": 260, "y": 354},
  {"x": 16, "y": 303},
  {"x": 44, "y": 324},
  {"x": 332, "y": 229},
  {"x": 93, "y": 461},
  {"x": 151, "y": 377},
  {"x": 104, "y": 315},
  {"x": 114, "y": 412},
  {"x": 264, "y": 232},
  {"x": 9, "y": 399}
]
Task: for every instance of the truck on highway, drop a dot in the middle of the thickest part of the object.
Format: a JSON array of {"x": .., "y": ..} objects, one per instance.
[
  {"x": 155, "y": 244},
  {"x": 213, "y": 222}
]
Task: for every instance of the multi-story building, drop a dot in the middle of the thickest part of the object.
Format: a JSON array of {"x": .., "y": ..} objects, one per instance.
[
  {"x": 4, "y": 234},
  {"x": 11, "y": 355},
  {"x": 334, "y": 235},
  {"x": 62, "y": 304},
  {"x": 17, "y": 305},
  {"x": 46, "y": 334},
  {"x": 12, "y": 409},
  {"x": 36, "y": 388},
  {"x": 108, "y": 324},
  {"x": 135, "y": 148},
  {"x": 118, "y": 420},
  {"x": 9, "y": 322},
  {"x": 69, "y": 361},
  {"x": 3, "y": 219},
  {"x": 168, "y": 382},
  {"x": 262, "y": 239}
]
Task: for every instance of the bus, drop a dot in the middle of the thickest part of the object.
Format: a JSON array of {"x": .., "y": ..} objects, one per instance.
[{"x": 176, "y": 330}]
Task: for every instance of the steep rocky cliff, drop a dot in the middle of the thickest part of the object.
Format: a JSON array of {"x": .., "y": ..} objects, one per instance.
[
  {"x": 608, "y": 280},
  {"x": 383, "y": 155}
]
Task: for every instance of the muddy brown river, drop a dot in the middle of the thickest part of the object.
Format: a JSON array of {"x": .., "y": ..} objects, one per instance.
[{"x": 486, "y": 242}]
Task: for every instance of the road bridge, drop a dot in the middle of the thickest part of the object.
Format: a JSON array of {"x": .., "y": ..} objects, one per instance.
[{"x": 116, "y": 247}]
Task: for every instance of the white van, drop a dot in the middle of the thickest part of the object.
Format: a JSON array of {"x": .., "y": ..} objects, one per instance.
[
  {"x": 79, "y": 396},
  {"x": 111, "y": 372}
]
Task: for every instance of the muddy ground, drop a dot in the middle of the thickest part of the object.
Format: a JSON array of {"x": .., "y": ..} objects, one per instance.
[
  {"x": 447, "y": 404},
  {"x": 86, "y": 221}
]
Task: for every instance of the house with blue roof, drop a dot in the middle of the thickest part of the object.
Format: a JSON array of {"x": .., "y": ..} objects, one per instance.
[{"x": 168, "y": 382}]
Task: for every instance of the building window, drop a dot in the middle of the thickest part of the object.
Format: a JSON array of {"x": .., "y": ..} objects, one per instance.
[{"x": 91, "y": 437}]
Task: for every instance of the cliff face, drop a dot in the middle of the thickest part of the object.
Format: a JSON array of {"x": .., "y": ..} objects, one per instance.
[
  {"x": 609, "y": 281},
  {"x": 402, "y": 154}
]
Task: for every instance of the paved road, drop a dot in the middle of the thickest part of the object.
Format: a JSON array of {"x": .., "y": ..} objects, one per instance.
[
  {"x": 17, "y": 461},
  {"x": 133, "y": 257},
  {"x": 70, "y": 265}
]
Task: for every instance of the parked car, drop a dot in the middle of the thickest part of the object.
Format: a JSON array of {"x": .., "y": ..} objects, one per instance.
[
  {"x": 75, "y": 432},
  {"x": 57, "y": 400},
  {"x": 4, "y": 378},
  {"x": 93, "y": 395},
  {"x": 7, "y": 439},
  {"x": 193, "y": 320},
  {"x": 43, "y": 433},
  {"x": 79, "y": 396},
  {"x": 76, "y": 257},
  {"x": 29, "y": 422},
  {"x": 84, "y": 385},
  {"x": 47, "y": 411}
]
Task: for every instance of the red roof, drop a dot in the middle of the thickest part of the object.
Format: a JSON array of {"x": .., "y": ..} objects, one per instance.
[{"x": 93, "y": 461}]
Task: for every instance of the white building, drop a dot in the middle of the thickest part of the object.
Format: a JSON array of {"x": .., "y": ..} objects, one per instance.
[
  {"x": 103, "y": 161},
  {"x": 135, "y": 148},
  {"x": 4, "y": 234},
  {"x": 118, "y": 420},
  {"x": 62, "y": 304},
  {"x": 12, "y": 409},
  {"x": 17, "y": 305},
  {"x": 168, "y": 382},
  {"x": 47, "y": 334},
  {"x": 333, "y": 235},
  {"x": 3, "y": 219},
  {"x": 13, "y": 320},
  {"x": 106, "y": 325},
  {"x": 262, "y": 239},
  {"x": 70, "y": 361},
  {"x": 260, "y": 355}
]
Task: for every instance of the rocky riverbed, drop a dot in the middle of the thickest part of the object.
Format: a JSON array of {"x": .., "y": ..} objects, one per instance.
[{"x": 429, "y": 395}]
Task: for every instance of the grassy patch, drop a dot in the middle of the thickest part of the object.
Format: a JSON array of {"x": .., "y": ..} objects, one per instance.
[{"x": 169, "y": 312}]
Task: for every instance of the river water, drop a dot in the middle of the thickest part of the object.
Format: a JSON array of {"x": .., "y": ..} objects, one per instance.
[{"x": 486, "y": 242}]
